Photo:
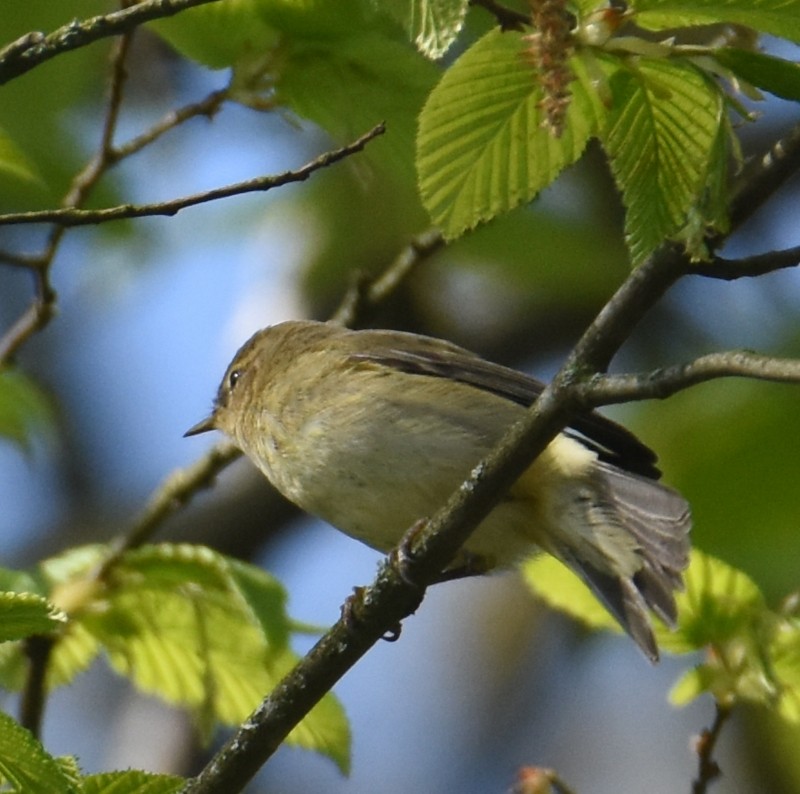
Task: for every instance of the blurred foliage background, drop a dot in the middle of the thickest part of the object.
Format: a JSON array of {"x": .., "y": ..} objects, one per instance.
[{"x": 150, "y": 311}]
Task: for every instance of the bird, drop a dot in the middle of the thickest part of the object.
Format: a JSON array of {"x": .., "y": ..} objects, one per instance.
[{"x": 371, "y": 430}]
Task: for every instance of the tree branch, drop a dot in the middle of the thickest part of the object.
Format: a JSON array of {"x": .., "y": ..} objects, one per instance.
[
  {"x": 71, "y": 216},
  {"x": 34, "y": 48},
  {"x": 173, "y": 494},
  {"x": 708, "y": 769},
  {"x": 365, "y": 294},
  {"x": 664, "y": 382},
  {"x": 749, "y": 267},
  {"x": 43, "y": 306},
  {"x": 763, "y": 176}
]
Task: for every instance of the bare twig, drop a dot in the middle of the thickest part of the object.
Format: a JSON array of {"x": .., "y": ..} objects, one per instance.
[
  {"x": 764, "y": 175},
  {"x": 43, "y": 306},
  {"x": 205, "y": 107},
  {"x": 69, "y": 216},
  {"x": 708, "y": 769},
  {"x": 365, "y": 294},
  {"x": 173, "y": 494},
  {"x": 749, "y": 267},
  {"x": 664, "y": 382},
  {"x": 34, "y": 48}
]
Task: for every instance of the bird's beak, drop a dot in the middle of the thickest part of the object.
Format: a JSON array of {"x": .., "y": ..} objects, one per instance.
[{"x": 201, "y": 427}]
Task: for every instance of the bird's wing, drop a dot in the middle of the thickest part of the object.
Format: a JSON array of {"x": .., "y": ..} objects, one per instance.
[{"x": 612, "y": 442}]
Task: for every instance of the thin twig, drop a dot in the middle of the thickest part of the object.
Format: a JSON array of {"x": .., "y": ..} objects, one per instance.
[
  {"x": 748, "y": 267},
  {"x": 205, "y": 107},
  {"x": 34, "y": 48},
  {"x": 69, "y": 216},
  {"x": 366, "y": 294},
  {"x": 763, "y": 176},
  {"x": 43, "y": 306},
  {"x": 666, "y": 381},
  {"x": 708, "y": 769},
  {"x": 173, "y": 494}
]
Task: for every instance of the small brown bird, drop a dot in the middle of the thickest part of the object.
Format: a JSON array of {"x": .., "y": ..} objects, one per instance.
[{"x": 372, "y": 430}]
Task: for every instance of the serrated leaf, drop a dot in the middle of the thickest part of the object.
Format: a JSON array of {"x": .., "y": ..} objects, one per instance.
[
  {"x": 774, "y": 75},
  {"x": 14, "y": 163},
  {"x": 25, "y": 614},
  {"x": 131, "y": 781},
  {"x": 433, "y": 25},
  {"x": 75, "y": 650},
  {"x": 25, "y": 766},
  {"x": 660, "y": 137},
  {"x": 198, "y": 630},
  {"x": 24, "y": 408},
  {"x": 481, "y": 147},
  {"x": 778, "y": 17}
]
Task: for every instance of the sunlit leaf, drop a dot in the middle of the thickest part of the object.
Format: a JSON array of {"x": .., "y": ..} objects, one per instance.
[
  {"x": 719, "y": 604},
  {"x": 25, "y": 614},
  {"x": 432, "y": 25},
  {"x": 778, "y": 17},
  {"x": 131, "y": 781},
  {"x": 482, "y": 148},
  {"x": 25, "y": 766},
  {"x": 660, "y": 137},
  {"x": 199, "y": 631},
  {"x": 561, "y": 589}
]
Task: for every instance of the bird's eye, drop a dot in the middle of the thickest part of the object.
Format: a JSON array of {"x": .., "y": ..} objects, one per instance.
[{"x": 233, "y": 379}]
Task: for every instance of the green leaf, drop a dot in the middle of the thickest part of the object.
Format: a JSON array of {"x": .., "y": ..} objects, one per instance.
[
  {"x": 785, "y": 662},
  {"x": 25, "y": 765},
  {"x": 720, "y": 604},
  {"x": 778, "y": 17},
  {"x": 660, "y": 137},
  {"x": 325, "y": 729},
  {"x": 25, "y": 614},
  {"x": 433, "y": 25},
  {"x": 775, "y": 75},
  {"x": 561, "y": 589},
  {"x": 131, "y": 781},
  {"x": 200, "y": 631},
  {"x": 218, "y": 35},
  {"x": 14, "y": 163},
  {"x": 481, "y": 147},
  {"x": 24, "y": 408},
  {"x": 346, "y": 86}
]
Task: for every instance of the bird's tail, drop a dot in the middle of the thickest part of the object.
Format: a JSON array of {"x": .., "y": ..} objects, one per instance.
[{"x": 637, "y": 550}]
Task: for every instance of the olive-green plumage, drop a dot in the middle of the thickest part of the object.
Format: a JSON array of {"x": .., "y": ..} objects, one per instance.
[{"x": 373, "y": 430}]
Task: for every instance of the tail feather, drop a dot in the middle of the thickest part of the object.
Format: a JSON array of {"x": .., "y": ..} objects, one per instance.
[{"x": 649, "y": 524}]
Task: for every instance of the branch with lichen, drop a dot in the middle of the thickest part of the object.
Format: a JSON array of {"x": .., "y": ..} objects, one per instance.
[{"x": 34, "y": 48}]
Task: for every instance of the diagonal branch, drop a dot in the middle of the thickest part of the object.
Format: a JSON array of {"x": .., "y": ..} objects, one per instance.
[
  {"x": 664, "y": 382},
  {"x": 72, "y": 216},
  {"x": 34, "y": 48}
]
